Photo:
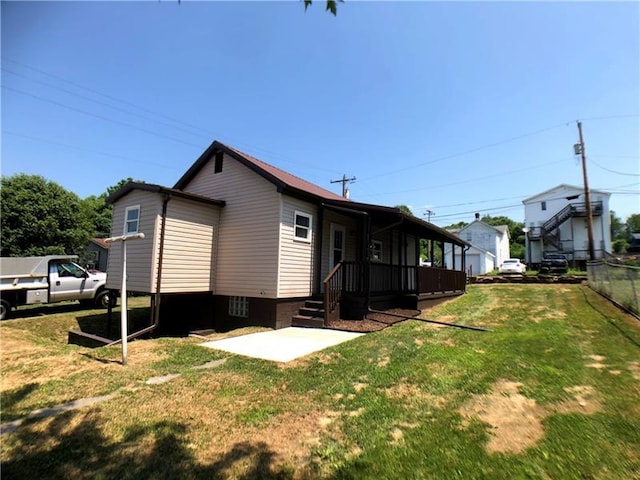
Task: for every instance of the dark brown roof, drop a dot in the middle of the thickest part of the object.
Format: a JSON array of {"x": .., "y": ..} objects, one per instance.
[
  {"x": 284, "y": 181},
  {"x": 150, "y": 187}
]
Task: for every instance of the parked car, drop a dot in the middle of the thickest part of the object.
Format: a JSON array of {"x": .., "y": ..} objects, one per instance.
[
  {"x": 554, "y": 262},
  {"x": 512, "y": 265}
]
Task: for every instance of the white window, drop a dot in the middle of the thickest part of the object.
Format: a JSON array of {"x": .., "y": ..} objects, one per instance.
[
  {"x": 376, "y": 250},
  {"x": 239, "y": 307},
  {"x": 131, "y": 220},
  {"x": 302, "y": 227},
  {"x": 469, "y": 237}
]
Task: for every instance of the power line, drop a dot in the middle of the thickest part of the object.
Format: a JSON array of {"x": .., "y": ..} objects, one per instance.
[
  {"x": 433, "y": 187},
  {"x": 95, "y": 152},
  {"x": 101, "y": 117},
  {"x": 613, "y": 171},
  {"x": 467, "y": 152},
  {"x": 206, "y": 134}
]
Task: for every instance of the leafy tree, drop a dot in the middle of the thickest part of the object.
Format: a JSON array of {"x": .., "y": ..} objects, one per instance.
[
  {"x": 456, "y": 226},
  {"x": 633, "y": 224},
  {"x": 618, "y": 228},
  {"x": 120, "y": 184},
  {"x": 99, "y": 213},
  {"x": 620, "y": 245},
  {"x": 331, "y": 6},
  {"x": 39, "y": 217},
  {"x": 404, "y": 208}
]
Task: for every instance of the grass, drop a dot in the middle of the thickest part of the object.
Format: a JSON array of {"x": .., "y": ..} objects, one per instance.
[{"x": 551, "y": 392}]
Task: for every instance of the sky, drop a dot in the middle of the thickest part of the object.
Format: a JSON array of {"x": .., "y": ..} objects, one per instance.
[{"x": 450, "y": 108}]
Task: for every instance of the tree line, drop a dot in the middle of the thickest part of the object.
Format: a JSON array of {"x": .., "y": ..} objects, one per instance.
[{"x": 40, "y": 217}]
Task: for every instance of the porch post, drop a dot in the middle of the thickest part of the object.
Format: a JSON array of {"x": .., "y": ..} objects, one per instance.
[
  {"x": 453, "y": 256},
  {"x": 318, "y": 250}
]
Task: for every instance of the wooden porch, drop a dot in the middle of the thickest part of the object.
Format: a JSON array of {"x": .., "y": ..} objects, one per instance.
[{"x": 352, "y": 286}]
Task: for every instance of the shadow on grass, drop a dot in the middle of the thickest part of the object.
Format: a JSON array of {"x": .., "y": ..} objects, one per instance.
[
  {"x": 608, "y": 319},
  {"x": 100, "y": 324},
  {"x": 159, "y": 451},
  {"x": 47, "y": 309},
  {"x": 16, "y": 395}
]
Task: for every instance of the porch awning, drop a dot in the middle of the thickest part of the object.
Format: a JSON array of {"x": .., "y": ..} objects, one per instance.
[{"x": 391, "y": 216}]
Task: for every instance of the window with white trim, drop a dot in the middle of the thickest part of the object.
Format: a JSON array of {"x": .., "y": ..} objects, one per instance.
[
  {"x": 376, "y": 250},
  {"x": 239, "y": 307},
  {"x": 131, "y": 220},
  {"x": 302, "y": 226},
  {"x": 543, "y": 204}
]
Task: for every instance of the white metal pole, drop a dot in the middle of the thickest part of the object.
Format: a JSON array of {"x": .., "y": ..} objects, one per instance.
[
  {"x": 123, "y": 307},
  {"x": 123, "y": 293}
]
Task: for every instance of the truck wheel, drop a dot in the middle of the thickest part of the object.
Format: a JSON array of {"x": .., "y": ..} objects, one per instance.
[
  {"x": 103, "y": 299},
  {"x": 5, "y": 308}
]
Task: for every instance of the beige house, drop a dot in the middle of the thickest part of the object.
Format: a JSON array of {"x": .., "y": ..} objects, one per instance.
[{"x": 237, "y": 241}]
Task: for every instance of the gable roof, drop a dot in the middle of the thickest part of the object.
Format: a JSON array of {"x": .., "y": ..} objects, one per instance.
[
  {"x": 284, "y": 181},
  {"x": 150, "y": 187},
  {"x": 290, "y": 184},
  {"x": 562, "y": 186},
  {"x": 502, "y": 229}
]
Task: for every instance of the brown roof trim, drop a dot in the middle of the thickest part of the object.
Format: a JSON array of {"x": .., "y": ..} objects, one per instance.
[
  {"x": 150, "y": 187},
  {"x": 284, "y": 181},
  {"x": 370, "y": 208}
]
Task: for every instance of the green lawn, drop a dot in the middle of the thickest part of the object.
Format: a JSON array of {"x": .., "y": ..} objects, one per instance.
[{"x": 551, "y": 392}]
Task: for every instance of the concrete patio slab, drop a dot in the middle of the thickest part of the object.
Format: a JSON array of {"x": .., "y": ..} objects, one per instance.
[{"x": 282, "y": 345}]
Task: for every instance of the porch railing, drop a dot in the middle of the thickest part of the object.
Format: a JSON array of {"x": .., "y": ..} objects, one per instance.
[
  {"x": 408, "y": 279},
  {"x": 332, "y": 292}
]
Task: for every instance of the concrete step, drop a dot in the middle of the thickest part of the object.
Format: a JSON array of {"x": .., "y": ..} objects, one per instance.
[{"x": 306, "y": 321}]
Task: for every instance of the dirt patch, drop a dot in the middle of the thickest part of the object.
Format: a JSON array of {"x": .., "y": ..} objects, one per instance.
[
  {"x": 634, "y": 368},
  {"x": 516, "y": 420},
  {"x": 396, "y": 436},
  {"x": 409, "y": 392},
  {"x": 584, "y": 400}
]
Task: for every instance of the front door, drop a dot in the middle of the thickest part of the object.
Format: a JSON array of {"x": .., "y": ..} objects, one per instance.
[{"x": 337, "y": 244}]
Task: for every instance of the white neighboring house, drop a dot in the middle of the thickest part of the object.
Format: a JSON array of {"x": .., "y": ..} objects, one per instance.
[
  {"x": 489, "y": 246},
  {"x": 556, "y": 221}
]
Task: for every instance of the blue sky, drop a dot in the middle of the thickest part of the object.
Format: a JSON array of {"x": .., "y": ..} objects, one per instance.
[{"x": 452, "y": 107}]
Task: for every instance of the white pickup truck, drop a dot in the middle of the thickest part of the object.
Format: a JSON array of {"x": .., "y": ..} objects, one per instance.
[{"x": 48, "y": 279}]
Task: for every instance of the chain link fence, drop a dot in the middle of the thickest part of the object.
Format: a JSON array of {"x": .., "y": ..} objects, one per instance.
[{"x": 618, "y": 282}]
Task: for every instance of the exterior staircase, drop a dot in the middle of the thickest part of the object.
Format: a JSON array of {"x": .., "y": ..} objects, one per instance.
[
  {"x": 311, "y": 315},
  {"x": 550, "y": 232}
]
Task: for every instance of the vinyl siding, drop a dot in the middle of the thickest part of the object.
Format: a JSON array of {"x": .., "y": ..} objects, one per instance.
[
  {"x": 188, "y": 260},
  {"x": 140, "y": 253},
  {"x": 295, "y": 277},
  {"x": 247, "y": 250}
]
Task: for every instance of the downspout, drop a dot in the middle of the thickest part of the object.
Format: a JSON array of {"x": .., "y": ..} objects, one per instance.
[{"x": 158, "y": 296}]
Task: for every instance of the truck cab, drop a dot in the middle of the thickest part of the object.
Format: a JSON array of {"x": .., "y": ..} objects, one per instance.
[{"x": 69, "y": 281}]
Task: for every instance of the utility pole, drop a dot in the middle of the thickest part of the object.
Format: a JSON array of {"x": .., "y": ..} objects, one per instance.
[
  {"x": 428, "y": 213},
  {"x": 344, "y": 180},
  {"x": 579, "y": 148}
]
